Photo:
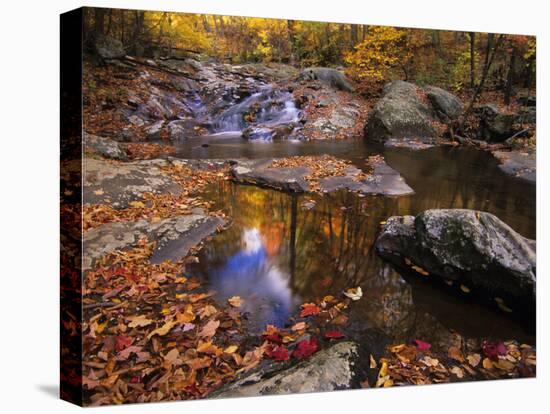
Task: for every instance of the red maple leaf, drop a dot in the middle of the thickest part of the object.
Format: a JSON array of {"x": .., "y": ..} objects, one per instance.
[
  {"x": 274, "y": 337},
  {"x": 309, "y": 309},
  {"x": 123, "y": 341},
  {"x": 421, "y": 345},
  {"x": 278, "y": 353},
  {"x": 305, "y": 348},
  {"x": 493, "y": 350},
  {"x": 334, "y": 334}
]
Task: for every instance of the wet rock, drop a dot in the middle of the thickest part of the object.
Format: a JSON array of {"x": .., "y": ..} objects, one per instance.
[
  {"x": 174, "y": 236},
  {"x": 257, "y": 172},
  {"x": 107, "y": 47},
  {"x": 384, "y": 180},
  {"x": 269, "y": 133},
  {"x": 331, "y": 77},
  {"x": 120, "y": 183},
  {"x": 106, "y": 147},
  {"x": 468, "y": 247},
  {"x": 518, "y": 163},
  {"x": 331, "y": 369},
  {"x": 153, "y": 131}
]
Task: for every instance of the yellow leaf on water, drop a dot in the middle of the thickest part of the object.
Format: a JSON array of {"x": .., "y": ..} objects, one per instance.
[
  {"x": 235, "y": 301},
  {"x": 354, "y": 293},
  {"x": 99, "y": 192},
  {"x": 418, "y": 269},
  {"x": 300, "y": 326},
  {"x": 465, "y": 289}
]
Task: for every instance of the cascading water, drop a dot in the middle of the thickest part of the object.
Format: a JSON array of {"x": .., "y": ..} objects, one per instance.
[{"x": 262, "y": 115}]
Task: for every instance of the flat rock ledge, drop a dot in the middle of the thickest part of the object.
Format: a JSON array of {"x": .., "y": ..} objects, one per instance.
[
  {"x": 384, "y": 180},
  {"x": 328, "y": 370},
  {"x": 467, "y": 248},
  {"x": 175, "y": 237},
  {"x": 519, "y": 164}
]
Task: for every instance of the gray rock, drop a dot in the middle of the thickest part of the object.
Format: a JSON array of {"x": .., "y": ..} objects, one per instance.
[
  {"x": 469, "y": 247},
  {"x": 153, "y": 131},
  {"x": 331, "y": 369},
  {"x": 401, "y": 113},
  {"x": 447, "y": 105},
  {"x": 119, "y": 184},
  {"x": 174, "y": 236},
  {"x": 104, "y": 146},
  {"x": 108, "y": 47},
  {"x": 495, "y": 126},
  {"x": 384, "y": 180},
  {"x": 331, "y": 77},
  {"x": 519, "y": 164}
]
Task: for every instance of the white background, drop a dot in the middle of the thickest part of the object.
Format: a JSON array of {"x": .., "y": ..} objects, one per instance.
[{"x": 29, "y": 116}]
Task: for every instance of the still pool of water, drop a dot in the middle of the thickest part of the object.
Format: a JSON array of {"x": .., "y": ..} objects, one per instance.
[{"x": 278, "y": 254}]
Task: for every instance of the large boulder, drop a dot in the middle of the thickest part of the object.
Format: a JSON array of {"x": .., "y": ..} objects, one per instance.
[
  {"x": 446, "y": 105},
  {"x": 406, "y": 111},
  {"x": 464, "y": 247},
  {"x": 331, "y": 369},
  {"x": 331, "y": 77},
  {"x": 107, "y": 47}
]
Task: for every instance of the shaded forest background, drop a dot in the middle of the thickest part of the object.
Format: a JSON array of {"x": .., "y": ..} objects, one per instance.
[{"x": 370, "y": 55}]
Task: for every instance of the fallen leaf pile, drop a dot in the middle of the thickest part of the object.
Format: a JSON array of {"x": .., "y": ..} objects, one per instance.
[
  {"x": 418, "y": 363},
  {"x": 320, "y": 167},
  {"x": 152, "y": 333},
  {"x": 155, "y": 206},
  {"x": 147, "y": 151}
]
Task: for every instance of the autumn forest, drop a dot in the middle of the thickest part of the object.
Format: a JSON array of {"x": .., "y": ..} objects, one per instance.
[{"x": 256, "y": 206}]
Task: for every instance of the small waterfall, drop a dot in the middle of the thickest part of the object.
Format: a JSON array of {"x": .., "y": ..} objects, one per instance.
[{"x": 263, "y": 112}]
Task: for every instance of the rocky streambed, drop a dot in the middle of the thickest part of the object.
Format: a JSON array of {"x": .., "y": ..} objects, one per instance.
[{"x": 250, "y": 189}]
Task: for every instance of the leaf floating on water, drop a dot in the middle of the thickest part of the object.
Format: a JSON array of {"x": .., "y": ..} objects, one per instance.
[
  {"x": 465, "y": 289},
  {"x": 429, "y": 361},
  {"x": 418, "y": 269},
  {"x": 354, "y": 293},
  {"x": 309, "y": 309},
  {"x": 487, "y": 363},
  {"x": 300, "y": 326},
  {"x": 277, "y": 352},
  {"x": 305, "y": 348},
  {"x": 99, "y": 192},
  {"x": 502, "y": 305},
  {"x": 454, "y": 353},
  {"x": 235, "y": 301}
]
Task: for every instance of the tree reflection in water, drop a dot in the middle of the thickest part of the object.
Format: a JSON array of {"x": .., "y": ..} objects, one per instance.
[{"x": 252, "y": 275}]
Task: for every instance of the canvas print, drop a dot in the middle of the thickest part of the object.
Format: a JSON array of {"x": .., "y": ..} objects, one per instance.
[{"x": 256, "y": 206}]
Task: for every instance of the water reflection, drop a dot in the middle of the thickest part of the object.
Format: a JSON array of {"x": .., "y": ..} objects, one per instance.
[
  {"x": 278, "y": 254},
  {"x": 252, "y": 274}
]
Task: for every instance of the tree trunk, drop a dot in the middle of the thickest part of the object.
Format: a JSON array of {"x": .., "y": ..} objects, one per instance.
[
  {"x": 510, "y": 77},
  {"x": 472, "y": 60},
  {"x": 99, "y": 20},
  {"x": 354, "y": 35}
]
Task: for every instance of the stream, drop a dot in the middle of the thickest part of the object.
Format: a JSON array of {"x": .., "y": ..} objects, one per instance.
[{"x": 282, "y": 250}]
